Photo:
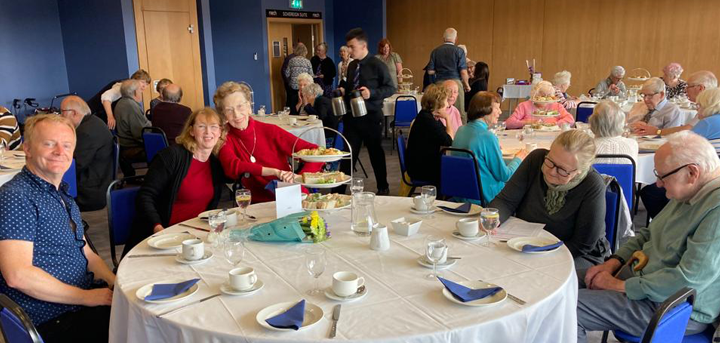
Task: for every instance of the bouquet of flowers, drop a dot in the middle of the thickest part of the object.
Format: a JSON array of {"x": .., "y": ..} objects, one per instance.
[{"x": 304, "y": 227}]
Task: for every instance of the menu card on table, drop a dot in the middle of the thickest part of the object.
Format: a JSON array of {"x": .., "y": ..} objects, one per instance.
[
  {"x": 515, "y": 227},
  {"x": 288, "y": 199}
]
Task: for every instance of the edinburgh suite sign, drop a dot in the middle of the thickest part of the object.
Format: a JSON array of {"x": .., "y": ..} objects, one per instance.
[{"x": 293, "y": 14}]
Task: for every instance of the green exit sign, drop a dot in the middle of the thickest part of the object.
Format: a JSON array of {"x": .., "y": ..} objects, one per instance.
[{"x": 296, "y": 4}]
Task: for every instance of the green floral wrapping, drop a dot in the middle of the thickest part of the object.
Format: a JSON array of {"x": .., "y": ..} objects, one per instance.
[{"x": 299, "y": 227}]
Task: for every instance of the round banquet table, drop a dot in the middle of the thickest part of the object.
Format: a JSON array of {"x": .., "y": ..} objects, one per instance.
[
  {"x": 313, "y": 136},
  {"x": 644, "y": 164},
  {"x": 401, "y": 304}
]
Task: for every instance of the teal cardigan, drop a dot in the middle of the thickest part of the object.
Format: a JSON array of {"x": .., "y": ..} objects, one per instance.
[{"x": 475, "y": 137}]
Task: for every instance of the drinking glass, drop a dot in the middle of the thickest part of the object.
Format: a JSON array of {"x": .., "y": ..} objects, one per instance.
[
  {"x": 435, "y": 248},
  {"x": 428, "y": 195},
  {"x": 490, "y": 220},
  {"x": 242, "y": 199},
  {"x": 217, "y": 222},
  {"x": 315, "y": 261},
  {"x": 234, "y": 250},
  {"x": 501, "y": 126},
  {"x": 357, "y": 186}
]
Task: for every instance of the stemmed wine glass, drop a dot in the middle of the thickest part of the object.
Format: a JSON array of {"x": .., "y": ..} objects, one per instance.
[
  {"x": 315, "y": 261},
  {"x": 435, "y": 249},
  {"x": 234, "y": 250},
  {"x": 490, "y": 220},
  {"x": 242, "y": 199},
  {"x": 428, "y": 195},
  {"x": 217, "y": 222}
]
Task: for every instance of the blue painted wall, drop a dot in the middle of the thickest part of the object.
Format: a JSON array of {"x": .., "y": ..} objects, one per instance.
[
  {"x": 93, "y": 57},
  {"x": 32, "y": 58},
  {"x": 369, "y": 15}
]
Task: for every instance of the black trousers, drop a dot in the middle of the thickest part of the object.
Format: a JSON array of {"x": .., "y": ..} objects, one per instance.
[
  {"x": 367, "y": 130},
  {"x": 89, "y": 324},
  {"x": 654, "y": 199},
  {"x": 128, "y": 156}
]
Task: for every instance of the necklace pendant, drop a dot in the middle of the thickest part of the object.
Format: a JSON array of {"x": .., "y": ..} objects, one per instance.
[{"x": 252, "y": 159}]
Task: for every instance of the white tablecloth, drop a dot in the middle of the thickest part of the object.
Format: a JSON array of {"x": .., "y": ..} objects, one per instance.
[
  {"x": 401, "y": 305},
  {"x": 516, "y": 91},
  {"x": 312, "y": 136},
  {"x": 11, "y": 161},
  {"x": 389, "y": 103},
  {"x": 644, "y": 165}
]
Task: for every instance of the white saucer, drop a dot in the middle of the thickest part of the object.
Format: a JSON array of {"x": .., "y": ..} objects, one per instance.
[
  {"x": 491, "y": 300},
  {"x": 169, "y": 240},
  {"x": 313, "y": 314},
  {"x": 357, "y": 296},
  {"x": 479, "y": 235},
  {"x": 416, "y": 211},
  {"x": 519, "y": 242},
  {"x": 179, "y": 257},
  {"x": 144, "y": 291},
  {"x": 226, "y": 289},
  {"x": 422, "y": 260}
]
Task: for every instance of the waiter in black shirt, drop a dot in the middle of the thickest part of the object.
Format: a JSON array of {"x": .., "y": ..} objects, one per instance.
[{"x": 370, "y": 76}]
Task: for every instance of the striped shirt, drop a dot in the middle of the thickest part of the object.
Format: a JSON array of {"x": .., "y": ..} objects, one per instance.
[
  {"x": 9, "y": 129},
  {"x": 567, "y": 103}
]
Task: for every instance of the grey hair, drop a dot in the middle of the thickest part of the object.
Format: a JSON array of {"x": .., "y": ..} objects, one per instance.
[
  {"x": 673, "y": 69},
  {"x": 450, "y": 34},
  {"x": 170, "y": 96},
  {"x": 463, "y": 47},
  {"x": 580, "y": 144},
  {"x": 654, "y": 84},
  {"x": 300, "y": 50},
  {"x": 543, "y": 86},
  {"x": 128, "y": 88},
  {"x": 705, "y": 78},
  {"x": 313, "y": 90},
  {"x": 76, "y": 103},
  {"x": 344, "y": 48},
  {"x": 305, "y": 77},
  {"x": 709, "y": 101},
  {"x": 562, "y": 78},
  {"x": 607, "y": 120},
  {"x": 617, "y": 71},
  {"x": 689, "y": 147}
]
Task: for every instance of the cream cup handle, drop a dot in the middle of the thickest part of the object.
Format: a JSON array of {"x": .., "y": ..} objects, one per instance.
[
  {"x": 253, "y": 279},
  {"x": 361, "y": 282}
]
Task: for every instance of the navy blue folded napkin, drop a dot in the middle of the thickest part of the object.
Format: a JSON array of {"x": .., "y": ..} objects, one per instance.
[
  {"x": 532, "y": 248},
  {"x": 464, "y": 208},
  {"x": 466, "y": 294},
  {"x": 290, "y": 319},
  {"x": 169, "y": 290},
  {"x": 271, "y": 186}
]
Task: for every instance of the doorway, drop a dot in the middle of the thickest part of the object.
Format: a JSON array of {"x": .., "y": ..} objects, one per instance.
[
  {"x": 169, "y": 47},
  {"x": 282, "y": 34}
]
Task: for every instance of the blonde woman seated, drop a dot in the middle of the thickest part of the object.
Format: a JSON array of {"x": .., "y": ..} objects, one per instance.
[
  {"x": 559, "y": 188},
  {"x": 608, "y": 124},
  {"x": 529, "y": 112},
  {"x": 483, "y": 112},
  {"x": 427, "y": 135}
]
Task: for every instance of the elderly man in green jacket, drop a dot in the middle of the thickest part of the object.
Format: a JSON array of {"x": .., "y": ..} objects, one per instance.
[{"x": 682, "y": 245}]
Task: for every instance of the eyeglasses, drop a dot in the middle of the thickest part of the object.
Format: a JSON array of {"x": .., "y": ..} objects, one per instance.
[
  {"x": 63, "y": 111},
  {"x": 560, "y": 170},
  {"x": 202, "y": 127},
  {"x": 238, "y": 108},
  {"x": 648, "y": 95},
  {"x": 672, "y": 172}
]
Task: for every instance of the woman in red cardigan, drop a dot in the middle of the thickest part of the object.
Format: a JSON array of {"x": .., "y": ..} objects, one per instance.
[{"x": 254, "y": 147}]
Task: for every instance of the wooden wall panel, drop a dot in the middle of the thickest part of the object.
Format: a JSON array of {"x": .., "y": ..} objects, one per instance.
[{"x": 586, "y": 37}]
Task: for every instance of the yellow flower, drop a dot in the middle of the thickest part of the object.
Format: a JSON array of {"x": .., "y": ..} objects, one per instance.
[{"x": 314, "y": 219}]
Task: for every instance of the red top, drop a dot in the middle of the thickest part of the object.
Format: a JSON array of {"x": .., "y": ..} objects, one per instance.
[
  {"x": 195, "y": 193},
  {"x": 272, "y": 150}
]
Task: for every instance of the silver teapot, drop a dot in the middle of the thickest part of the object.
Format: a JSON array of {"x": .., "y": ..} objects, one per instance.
[
  {"x": 338, "y": 103},
  {"x": 357, "y": 104}
]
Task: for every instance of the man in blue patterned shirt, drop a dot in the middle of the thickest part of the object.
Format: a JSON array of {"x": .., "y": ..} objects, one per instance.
[{"x": 45, "y": 264}]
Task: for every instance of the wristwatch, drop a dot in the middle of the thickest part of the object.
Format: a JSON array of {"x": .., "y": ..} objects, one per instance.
[
  {"x": 617, "y": 257},
  {"x": 657, "y": 133}
]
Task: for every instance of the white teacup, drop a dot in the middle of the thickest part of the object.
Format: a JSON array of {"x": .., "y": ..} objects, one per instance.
[
  {"x": 193, "y": 249},
  {"x": 312, "y": 118},
  {"x": 468, "y": 227},
  {"x": 242, "y": 279},
  {"x": 291, "y": 121},
  {"x": 231, "y": 217},
  {"x": 530, "y": 146},
  {"x": 346, "y": 283},
  {"x": 420, "y": 204}
]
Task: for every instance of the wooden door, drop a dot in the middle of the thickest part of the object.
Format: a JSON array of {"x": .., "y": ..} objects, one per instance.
[
  {"x": 169, "y": 47},
  {"x": 278, "y": 32}
]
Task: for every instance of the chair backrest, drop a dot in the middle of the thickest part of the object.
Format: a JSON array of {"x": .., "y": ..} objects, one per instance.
[
  {"x": 116, "y": 157},
  {"x": 612, "y": 213},
  {"x": 401, "y": 152},
  {"x": 405, "y": 110},
  {"x": 584, "y": 110},
  {"x": 121, "y": 211},
  {"x": 70, "y": 177},
  {"x": 15, "y": 324},
  {"x": 624, "y": 173},
  {"x": 459, "y": 174},
  {"x": 671, "y": 319},
  {"x": 154, "y": 140}
]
